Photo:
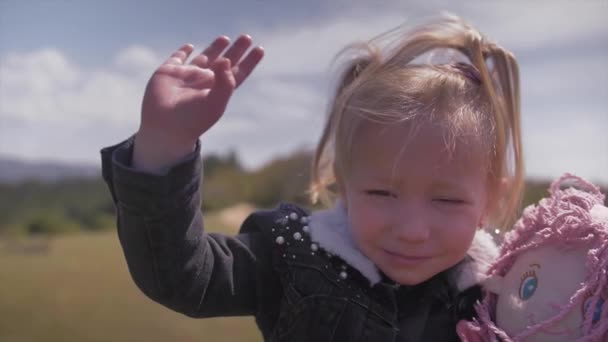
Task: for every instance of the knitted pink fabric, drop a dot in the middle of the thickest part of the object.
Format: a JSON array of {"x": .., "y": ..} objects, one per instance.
[{"x": 561, "y": 220}]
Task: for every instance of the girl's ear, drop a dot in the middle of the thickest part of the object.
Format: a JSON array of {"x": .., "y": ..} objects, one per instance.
[
  {"x": 341, "y": 187},
  {"x": 493, "y": 201}
]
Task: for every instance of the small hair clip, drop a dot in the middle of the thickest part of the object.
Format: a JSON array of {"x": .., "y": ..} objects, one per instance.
[{"x": 468, "y": 70}]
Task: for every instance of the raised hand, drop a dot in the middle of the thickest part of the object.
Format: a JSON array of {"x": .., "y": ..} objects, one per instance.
[{"x": 183, "y": 100}]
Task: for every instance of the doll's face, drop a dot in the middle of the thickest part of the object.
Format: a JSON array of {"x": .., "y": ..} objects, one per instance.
[{"x": 539, "y": 283}]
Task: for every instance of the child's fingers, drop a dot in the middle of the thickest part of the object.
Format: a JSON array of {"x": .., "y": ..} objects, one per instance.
[
  {"x": 217, "y": 98},
  {"x": 180, "y": 56},
  {"x": 194, "y": 76},
  {"x": 187, "y": 72},
  {"x": 237, "y": 50},
  {"x": 212, "y": 52},
  {"x": 200, "y": 61},
  {"x": 248, "y": 64}
]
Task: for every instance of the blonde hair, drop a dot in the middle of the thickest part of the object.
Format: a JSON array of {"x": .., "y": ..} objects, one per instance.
[{"x": 476, "y": 101}]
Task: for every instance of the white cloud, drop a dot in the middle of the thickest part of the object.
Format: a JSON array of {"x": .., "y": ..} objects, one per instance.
[
  {"x": 269, "y": 117},
  {"x": 60, "y": 105},
  {"x": 310, "y": 49},
  {"x": 45, "y": 86},
  {"x": 569, "y": 80},
  {"x": 285, "y": 99},
  {"x": 76, "y": 106},
  {"x": 567, "y": 143},
  {"x": 516, "y": 24},
  {"x": 137, "y": 59},
  {"x": 51, "y": 108},
  {"x": 68, "y": 141},
  {"x": 532, "y": 25},
  {"x": 39, "y": 72}
]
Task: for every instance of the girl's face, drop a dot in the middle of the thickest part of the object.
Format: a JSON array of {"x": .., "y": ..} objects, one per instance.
[{"x": 413, "y": 210}]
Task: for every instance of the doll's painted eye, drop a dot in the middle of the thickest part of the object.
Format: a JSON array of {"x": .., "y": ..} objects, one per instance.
[
  {"x": 529, "y": 283},
  {"x": 597, "y": 311}
]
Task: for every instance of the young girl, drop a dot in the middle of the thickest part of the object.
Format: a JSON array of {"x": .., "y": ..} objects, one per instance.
[{"x": 420, "y": 158}]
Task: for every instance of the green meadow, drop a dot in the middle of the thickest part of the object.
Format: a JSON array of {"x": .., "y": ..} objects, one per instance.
[
  {"x": 63, "y": 276},
  {"x": 76, "y": 287}
]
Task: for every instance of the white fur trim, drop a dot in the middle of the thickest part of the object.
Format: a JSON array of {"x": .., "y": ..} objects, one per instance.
[
  {"x": 483, "y": 252},
  {"x": 330, "y": 229}
]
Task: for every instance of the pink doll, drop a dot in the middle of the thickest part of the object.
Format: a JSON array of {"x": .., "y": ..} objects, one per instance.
[{"x": 550, "y": 280}]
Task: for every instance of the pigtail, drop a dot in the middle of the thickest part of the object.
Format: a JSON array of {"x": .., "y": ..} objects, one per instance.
[
  {"x": 323, "y": 173},
  {"x": 499, "y": 90},
  {"x": 501, "y": 86}
]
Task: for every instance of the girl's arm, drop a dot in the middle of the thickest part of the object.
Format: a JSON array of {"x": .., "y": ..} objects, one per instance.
[
  {"x": 185, "y": 99},
  {"x": 154, "y": 181},
  {"x": 170, "y": 257}
]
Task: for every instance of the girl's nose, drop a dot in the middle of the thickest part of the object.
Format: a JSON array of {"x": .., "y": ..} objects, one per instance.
[{"x": 412, "y": 226}]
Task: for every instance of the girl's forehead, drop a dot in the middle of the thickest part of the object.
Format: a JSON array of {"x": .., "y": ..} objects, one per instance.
[
  {"x": 414, "y": 143},
  {"x": 402, "y": 156}
]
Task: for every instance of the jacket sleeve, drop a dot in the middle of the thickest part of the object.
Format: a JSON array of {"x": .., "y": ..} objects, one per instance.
[{"x": 169, "y": 256}]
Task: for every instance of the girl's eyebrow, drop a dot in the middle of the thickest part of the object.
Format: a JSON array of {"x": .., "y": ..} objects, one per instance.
[
  {"x": 436, "y": 185},
  {"x": 443, "y": 184},
  {"x": 535, "y": 265}
]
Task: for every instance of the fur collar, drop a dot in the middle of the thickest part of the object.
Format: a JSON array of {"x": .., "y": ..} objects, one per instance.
[{"x": 330, "y": 229}]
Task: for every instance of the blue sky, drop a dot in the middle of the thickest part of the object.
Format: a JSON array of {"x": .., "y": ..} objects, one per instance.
[{"x": 72, "y": 73}]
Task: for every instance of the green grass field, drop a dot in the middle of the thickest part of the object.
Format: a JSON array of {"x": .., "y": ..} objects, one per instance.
[{"x": 80, "y": 290}]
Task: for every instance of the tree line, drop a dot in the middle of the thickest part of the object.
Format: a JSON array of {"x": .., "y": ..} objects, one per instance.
[{"x": 85, "y": 205}]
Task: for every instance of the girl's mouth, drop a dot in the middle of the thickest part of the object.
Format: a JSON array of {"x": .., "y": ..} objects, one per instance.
[{"x": 403, "y": 259}]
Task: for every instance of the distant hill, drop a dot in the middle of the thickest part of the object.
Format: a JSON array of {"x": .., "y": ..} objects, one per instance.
[{"x": 13, "y": 170}]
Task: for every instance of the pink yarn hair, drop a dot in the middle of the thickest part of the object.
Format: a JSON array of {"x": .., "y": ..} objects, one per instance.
[{"x": 562, "y": 220}]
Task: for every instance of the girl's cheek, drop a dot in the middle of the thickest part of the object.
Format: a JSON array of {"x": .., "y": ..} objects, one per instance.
[
  {"x": 374, "y": 215},
  {"x": 455, "y": 227},
  {"x": 459, "y": 236}
]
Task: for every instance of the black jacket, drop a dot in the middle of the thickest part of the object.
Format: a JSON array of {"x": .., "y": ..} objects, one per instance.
[{"x": 271, "y": 269}]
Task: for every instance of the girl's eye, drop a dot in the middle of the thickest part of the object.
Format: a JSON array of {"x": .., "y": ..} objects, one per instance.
[
  {"x": 529, "y": 283},
  {"x": 597, "y": 310},
  {"x": 449, "y": 200},
  {"x": 381, "y": 193}
]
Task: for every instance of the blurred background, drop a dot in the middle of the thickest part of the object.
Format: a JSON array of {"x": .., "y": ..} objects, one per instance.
[{"x": 72, "y": 75}]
